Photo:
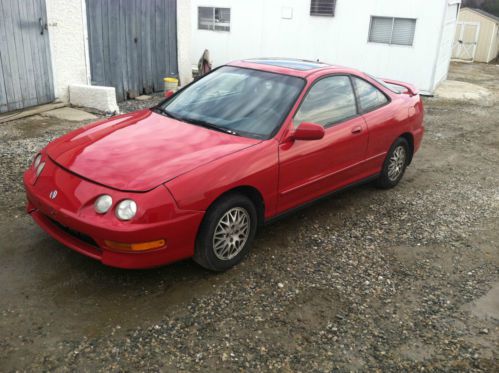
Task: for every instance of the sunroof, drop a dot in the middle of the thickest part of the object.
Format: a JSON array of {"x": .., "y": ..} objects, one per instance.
[{"x": 290, "y": 64}]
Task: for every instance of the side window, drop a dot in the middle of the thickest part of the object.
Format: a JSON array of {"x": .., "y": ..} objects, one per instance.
[
  {"x": 330, "y": 100},
  {"x": 370, "y": 97}
]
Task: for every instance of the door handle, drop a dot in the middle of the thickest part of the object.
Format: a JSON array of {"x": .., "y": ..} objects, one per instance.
[{"x": 357, "y": 129}]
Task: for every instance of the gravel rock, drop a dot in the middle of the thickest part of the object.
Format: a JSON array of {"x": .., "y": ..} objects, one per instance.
[{"x": 368, "y": 280}]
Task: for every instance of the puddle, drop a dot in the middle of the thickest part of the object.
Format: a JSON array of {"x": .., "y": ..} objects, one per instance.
[{"x": 486, "y": 307}]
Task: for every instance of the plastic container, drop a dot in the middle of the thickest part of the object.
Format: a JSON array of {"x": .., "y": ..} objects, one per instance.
[{"x": 171, "y": 85}]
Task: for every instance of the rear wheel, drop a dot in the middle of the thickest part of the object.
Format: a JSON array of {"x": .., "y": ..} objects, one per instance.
[
  {"x": 394, "y": 165},
  {"x": 226, "y": 233}
]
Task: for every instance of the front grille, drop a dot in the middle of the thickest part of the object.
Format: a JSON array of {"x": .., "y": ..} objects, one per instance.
[{"x": 78, "y": 235}]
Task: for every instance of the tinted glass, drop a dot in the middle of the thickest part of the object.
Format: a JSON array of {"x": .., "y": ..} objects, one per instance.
[
  {"x": 370, "y": 97},
  {"x": 330, "y": 100},
  {"x": 248, "y": 102}
]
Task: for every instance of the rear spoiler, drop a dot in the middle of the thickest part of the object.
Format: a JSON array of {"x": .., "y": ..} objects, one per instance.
[{"x": 405, "y": 87}]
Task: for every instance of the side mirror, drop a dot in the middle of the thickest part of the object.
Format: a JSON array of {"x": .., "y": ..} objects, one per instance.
[{"x": 308, "y": 131}]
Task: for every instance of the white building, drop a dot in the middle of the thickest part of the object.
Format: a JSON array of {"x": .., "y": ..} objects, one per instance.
[{"x": 407, "y": 40}]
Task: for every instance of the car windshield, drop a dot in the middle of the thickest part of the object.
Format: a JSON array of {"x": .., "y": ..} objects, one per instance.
[{"x": 236, "y": 100}]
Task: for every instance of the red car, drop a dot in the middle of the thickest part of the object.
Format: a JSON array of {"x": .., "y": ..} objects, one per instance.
[{"x": 196, "y": 175}]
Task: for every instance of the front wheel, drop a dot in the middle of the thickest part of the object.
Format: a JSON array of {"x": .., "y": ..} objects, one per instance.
[
  {"x": 394, "y": 165},
  {"x": 226, "y": 233}
]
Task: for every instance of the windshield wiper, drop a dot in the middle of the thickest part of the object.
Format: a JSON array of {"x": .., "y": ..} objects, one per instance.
[
  {"x": 198, "y": 122},
  {"x": 169, "y": 114},
  {"x": 212, "y": 126}
]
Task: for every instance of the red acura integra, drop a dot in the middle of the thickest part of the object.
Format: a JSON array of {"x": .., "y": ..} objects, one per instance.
[{"x": 196, "y": 175}]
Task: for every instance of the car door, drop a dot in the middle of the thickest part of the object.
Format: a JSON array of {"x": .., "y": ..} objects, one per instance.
[
  {"x": 309, "y": 169},
  {"x": 382, "y": 120}
]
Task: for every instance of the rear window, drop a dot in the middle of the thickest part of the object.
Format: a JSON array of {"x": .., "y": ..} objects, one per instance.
[{"x": 370, "y": 97}]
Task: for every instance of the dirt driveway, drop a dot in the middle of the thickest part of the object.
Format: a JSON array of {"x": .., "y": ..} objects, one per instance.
[{"x": 393, "y": 280}]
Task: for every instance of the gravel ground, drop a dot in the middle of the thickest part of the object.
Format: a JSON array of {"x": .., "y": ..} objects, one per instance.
[{"x": 398, "y": 280}]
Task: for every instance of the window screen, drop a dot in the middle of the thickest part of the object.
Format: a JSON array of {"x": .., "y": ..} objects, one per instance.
[
  {"x": 369, "y": 96},
  {"x": 322, "y": 7},
  {"x": 330, "y": 100},
  {"x": 389, "y": 30},
  {"x": 210, "y": 18}
]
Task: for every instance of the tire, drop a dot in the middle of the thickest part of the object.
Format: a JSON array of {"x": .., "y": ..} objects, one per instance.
[
  {"x": 395, "y": 164},
  {"x": 226, "y": 233}
]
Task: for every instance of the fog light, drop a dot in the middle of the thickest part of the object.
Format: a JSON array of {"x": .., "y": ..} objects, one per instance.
[
  {"x": 103, "y": 204},
  {"x": 141, "y": 246}
]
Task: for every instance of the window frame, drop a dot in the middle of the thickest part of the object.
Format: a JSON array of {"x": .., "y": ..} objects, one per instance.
[
  {"x": 315, "y": 14},
  {"x": 213, "y": 19},
  {"x": 359, "y": 110},
  {"x": 362, "y": 112},
  {"x": 328, "y": 125},
  {"x": 391, "y": 34}
]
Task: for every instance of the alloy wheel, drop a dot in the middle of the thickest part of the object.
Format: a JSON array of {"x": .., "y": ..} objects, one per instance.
[{"x": 231, "y": 233}]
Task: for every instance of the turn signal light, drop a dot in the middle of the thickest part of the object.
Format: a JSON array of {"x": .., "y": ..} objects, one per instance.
[{"x": 141, "y": 246}]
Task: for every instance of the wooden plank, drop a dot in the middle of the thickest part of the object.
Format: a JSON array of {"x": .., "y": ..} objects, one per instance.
[
  {"x": 138, "y": 46},
  {"x": 29, "y": 112},
  {"x": 115, "y": 60},
  {"x": 26, "y": 28},
  {"x": 106, "y": 60},
  {"x": 123, "y": 48},
  {"x": 145, "y": 54},
  {"x": 10, "y": 65},
  {"x": 19, "y": 50},
  {"x": 172, "y": 37},
  {"x": 95, "y": 42},
  {"x": 44, "y": 45},
  {"x": 35, "y": 53}
]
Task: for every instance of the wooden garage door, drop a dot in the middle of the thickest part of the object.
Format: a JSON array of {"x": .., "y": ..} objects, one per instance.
[
  {"x": 132, "y": 44},
  {"x": 25, "y": 65}
]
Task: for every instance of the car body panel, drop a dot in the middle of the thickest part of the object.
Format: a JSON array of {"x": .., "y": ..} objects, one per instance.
[
  {"x": 175, "y": 171},
  {"x": 145, "y": 144},
  {"x": 72, "y": 208}
]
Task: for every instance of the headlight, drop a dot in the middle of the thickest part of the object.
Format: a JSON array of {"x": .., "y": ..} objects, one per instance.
[
  {"x": 39, "y": 169},
  {"x": 126, "y": 209},
  {"x": 37, "y": 160},
  {"x": 103, "y": 204}
]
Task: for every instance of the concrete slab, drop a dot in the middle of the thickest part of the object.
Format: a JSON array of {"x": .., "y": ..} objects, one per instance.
[
  {"x": 70, "y": 114},
  {"x": 462, "y": 91},
  {"x": 143, "y": 98},
  {"x": 95, "y": 97}
]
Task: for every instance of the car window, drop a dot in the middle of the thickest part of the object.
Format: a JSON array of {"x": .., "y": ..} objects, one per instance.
[
  {"x": 330, "y": 100},
  {"x": 370, "y": 97},
  {"x": 240, "y": 101}
]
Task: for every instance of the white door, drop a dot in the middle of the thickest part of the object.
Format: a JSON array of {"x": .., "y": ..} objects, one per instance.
[{"x": 465, "y": 41}]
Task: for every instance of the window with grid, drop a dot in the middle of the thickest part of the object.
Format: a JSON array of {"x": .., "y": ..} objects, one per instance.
[
  {"x": 210, "y": 18},
  {"x": 390, "y": 30},
  {"x": 322, "y": 7}
]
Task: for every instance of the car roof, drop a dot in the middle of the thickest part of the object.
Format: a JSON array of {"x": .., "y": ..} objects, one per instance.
[{"x": 288, "y": 66}]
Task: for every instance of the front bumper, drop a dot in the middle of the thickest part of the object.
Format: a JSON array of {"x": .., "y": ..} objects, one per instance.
[{"x": 70, "y": 219}]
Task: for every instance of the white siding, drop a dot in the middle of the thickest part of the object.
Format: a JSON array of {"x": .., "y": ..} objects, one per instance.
[
  {"x": 446, "y": 44},
  {"x": 263, "y": 28}
]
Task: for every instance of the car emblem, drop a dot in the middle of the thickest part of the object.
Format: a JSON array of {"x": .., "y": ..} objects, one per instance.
[{"x": 53, "y": 194}]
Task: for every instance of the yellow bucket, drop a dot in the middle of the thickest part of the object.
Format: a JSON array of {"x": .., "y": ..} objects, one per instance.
[{"x": 171, "y": 84}]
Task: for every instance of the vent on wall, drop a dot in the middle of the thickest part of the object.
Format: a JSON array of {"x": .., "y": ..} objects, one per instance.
[{"x": 322, "y": 7}]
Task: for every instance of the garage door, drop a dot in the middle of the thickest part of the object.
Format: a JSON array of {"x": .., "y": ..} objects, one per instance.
[
  {"x": 25, "y": 65},
  {"x": 132, "y": 44}
]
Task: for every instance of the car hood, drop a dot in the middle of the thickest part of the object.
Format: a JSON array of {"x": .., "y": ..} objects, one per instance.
[{"x": 141, "y": 150}]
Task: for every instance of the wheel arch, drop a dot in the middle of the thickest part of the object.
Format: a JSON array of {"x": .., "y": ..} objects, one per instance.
[
  {"x": 253, "y": 194},
  {"x": 410, "y": 140}
]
